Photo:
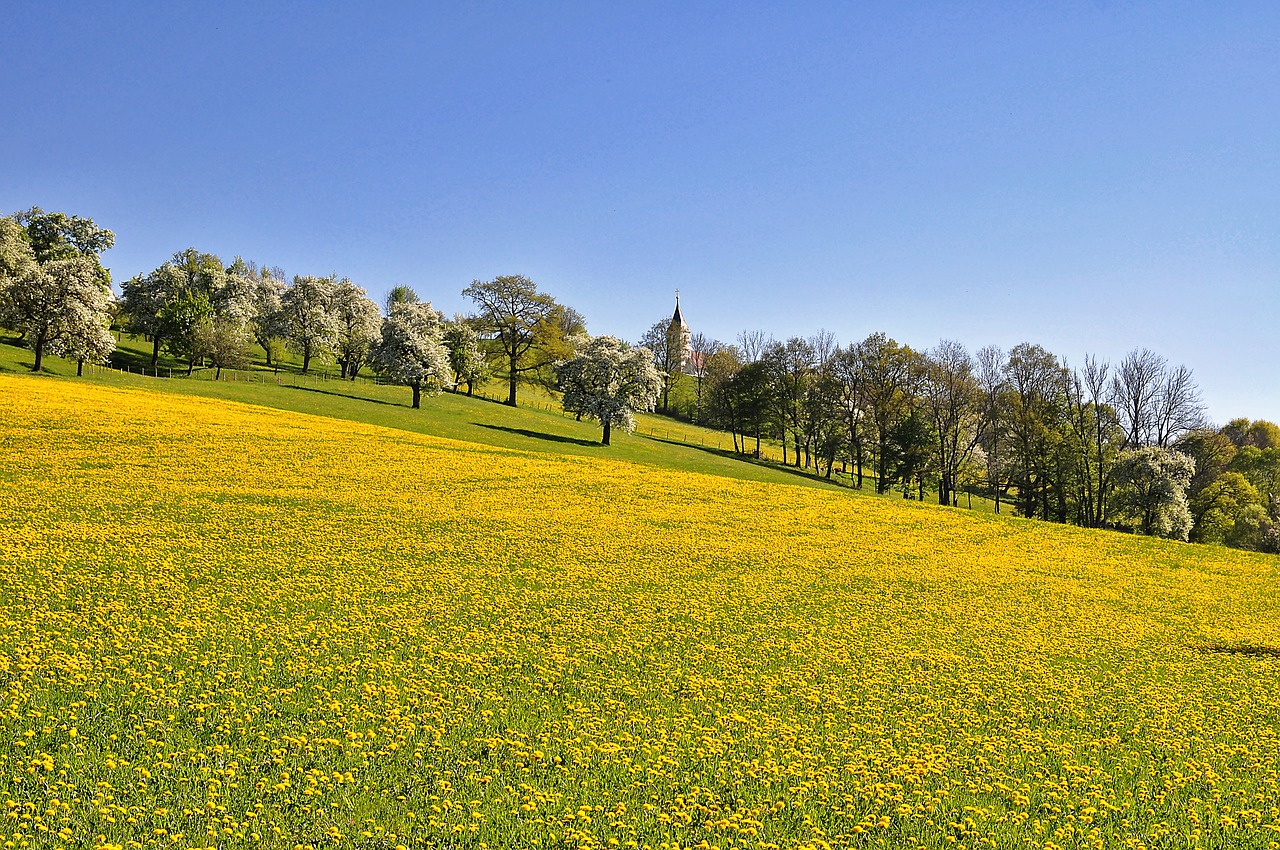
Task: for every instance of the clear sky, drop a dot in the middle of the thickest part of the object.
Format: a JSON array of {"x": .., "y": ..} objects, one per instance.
[{"x": 1090, "y": 176}]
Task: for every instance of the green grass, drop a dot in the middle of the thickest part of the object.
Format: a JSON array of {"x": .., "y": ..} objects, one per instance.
[{"x": 537, "y": 426}]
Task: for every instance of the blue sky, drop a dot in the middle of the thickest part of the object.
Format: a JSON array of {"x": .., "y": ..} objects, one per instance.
[{"x": 1092, "y": 177}]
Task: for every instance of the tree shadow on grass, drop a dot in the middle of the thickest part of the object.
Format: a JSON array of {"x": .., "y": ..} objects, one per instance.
[
  {"x": 1247, "y": 649},
  {"x": 345, "y": 395},
  {"x": 539, "y": 435},
  {"x": 729, "y": 454}
]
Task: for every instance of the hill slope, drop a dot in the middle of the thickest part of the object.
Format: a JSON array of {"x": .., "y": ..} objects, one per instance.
[{"x": 227, "y": 624}]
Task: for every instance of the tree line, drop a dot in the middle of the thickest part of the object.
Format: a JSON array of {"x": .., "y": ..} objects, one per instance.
[{"x": 1125, "y": 445}]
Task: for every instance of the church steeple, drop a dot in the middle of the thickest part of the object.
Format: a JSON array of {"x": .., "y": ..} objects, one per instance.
[
  {"x": 677, "y": 320},
  {"x": 679, "y": 336}
]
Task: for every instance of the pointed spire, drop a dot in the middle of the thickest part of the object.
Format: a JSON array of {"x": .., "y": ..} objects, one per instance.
[{"x": 676, "y": 319}]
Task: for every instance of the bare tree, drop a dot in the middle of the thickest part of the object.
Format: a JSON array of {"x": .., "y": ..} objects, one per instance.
[
  {"x": 847, "y": 369},
  {"x": 701, "y": 349},
  {"x": 953, "y": 400},
  {"x": 1178, "y": 407},
  {"x": 752, "y": 345},
  {"x": 824, "y": 346},
  {"x": 992, "y": 384},
  {"x": 1134, "y": 390}
]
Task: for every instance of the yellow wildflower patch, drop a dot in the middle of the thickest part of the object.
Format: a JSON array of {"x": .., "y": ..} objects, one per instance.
[{"x": 225, "y": 626}]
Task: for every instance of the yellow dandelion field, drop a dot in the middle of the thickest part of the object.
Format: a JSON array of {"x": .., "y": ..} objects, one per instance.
[{"x": 227, "y": 626}]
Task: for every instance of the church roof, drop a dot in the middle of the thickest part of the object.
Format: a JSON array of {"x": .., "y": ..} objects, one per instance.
[{"x": 676, "y": 318}]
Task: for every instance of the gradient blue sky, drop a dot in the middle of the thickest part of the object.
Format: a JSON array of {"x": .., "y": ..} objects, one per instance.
[{"x": 1092, "y": 177}]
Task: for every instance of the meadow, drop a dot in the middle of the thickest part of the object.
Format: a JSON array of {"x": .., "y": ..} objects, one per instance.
[{"x": 230, "y": 626}]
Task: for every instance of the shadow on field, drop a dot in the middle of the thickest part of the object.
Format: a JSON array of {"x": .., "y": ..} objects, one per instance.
[
  {"x": 729, "y": 454},
  {"x": 351, "y": 396},
  {"x": 538, "y": 435},
  {"x": 1249, "y": 649}
]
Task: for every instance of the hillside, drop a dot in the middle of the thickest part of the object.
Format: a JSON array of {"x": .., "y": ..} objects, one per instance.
[
  {"x": 538, "y": 425},
  {"x": 228, "y": 625}
]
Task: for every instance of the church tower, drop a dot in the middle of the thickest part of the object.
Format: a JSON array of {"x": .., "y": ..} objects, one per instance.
[{"x": 679, "y": 335}]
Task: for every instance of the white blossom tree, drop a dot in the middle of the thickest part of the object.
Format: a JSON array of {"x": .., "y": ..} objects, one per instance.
[
  {"x": 410, "y": 351},
  {"x": 309, "y": 321},
  {"x": 268, "y": 319},
  {"x": 358, "y": 321},
  {"x": 1152, "y": 490},
  {"x": 85, "y": 334},
  {"x": 53, "y": 287},
  {"x": 609, "y": 381},
  {"x": 466, "y": 358},
  {"x": 61, "y": 306}
]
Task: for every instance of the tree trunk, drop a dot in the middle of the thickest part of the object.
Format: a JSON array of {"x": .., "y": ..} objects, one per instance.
[
  {"x": 306, "y": 360},
  {"x": 218, "y": 375},
  {"x": 39, "y": 349},
  {"x": 79, "y": 368},
  {"x": 155, "y": 350},
  {"x": 511, "y": 389},
  {"x": 417, "y": 396},
  {"x": 605, "y": 440}
]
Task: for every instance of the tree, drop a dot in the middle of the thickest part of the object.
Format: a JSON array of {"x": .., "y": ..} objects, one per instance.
[
  {"x": 701, "y": 349},
  {"x": 1229, "y": 510},
  {"x": 952, "y": 400},
  {"x": 310, "y": 325},
  {"x": 1031, "y": 408},
  {"x": 1151, "y": 489},
  {"x": 401, "y": 295},
  {"x": 62, "y": 306},
  {"x": 609, "y": 381},
  {"x": 752, "y": 393},
  {"x": 466, "y": 358},
  {"x": 145, "y": 298},
  {"x": 1261, "y": 434},
  {"x": 1155, "y": 404},
  {"x": 1094, "y": 439},
  {"x": 226, "y": 343},
  {"x": 847, "y": 369},
  {"x": 993, "y": 386},
  {"x": 267, "y": 318},
  {"x": 1213, "y": 453},
  {"x": 516, "y": 313},
  {"x": 666, "y": 340},
  {"x": 358, "y": 323},
  {"x": 410, "y": 352},
  {"x": 16, "y": 256},
  {"x": 182, "y": 322},
  {"x": 790, "y": 366},
  {"x": 1262, "y": 469},
  {"x": 752, "y": 345},
  {"x": 720, "y": 407},
  {"x": 53, "y": 286},
  {"x": 888, "y": 385}
]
